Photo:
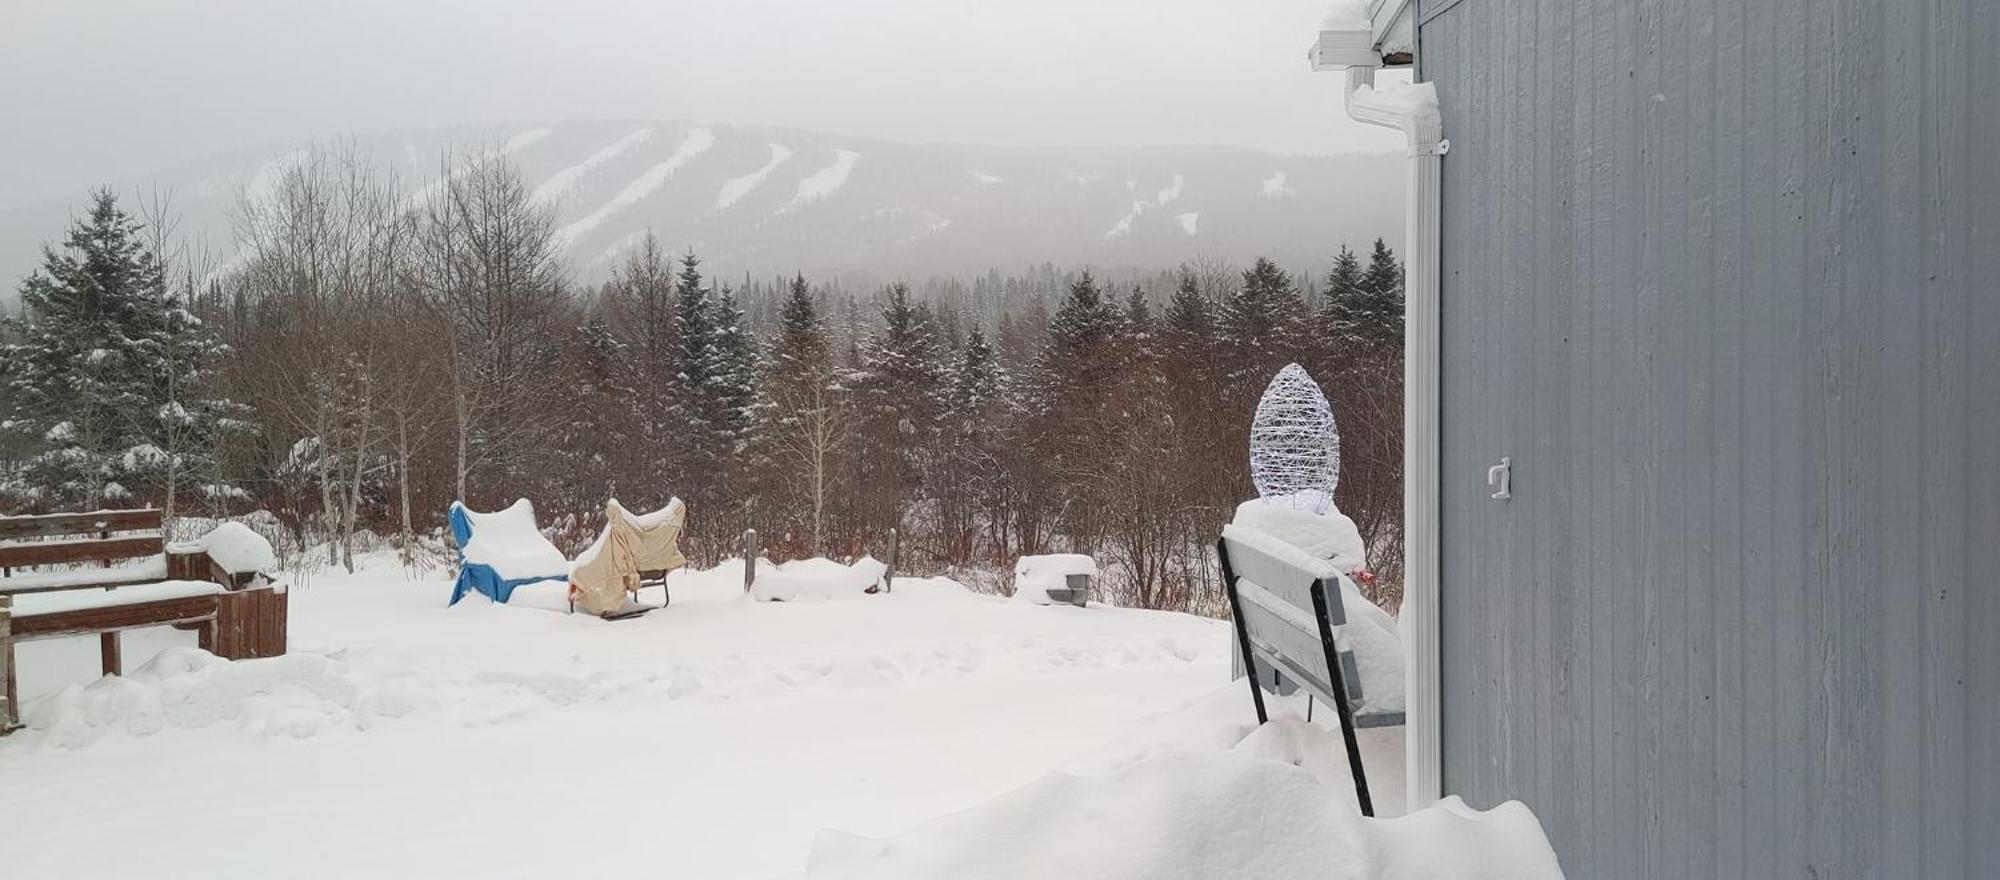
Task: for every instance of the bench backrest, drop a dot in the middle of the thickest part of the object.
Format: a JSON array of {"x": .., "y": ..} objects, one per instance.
[
  {"x": 1282, "y": 593},
  {"x": 102, "y": 536}
]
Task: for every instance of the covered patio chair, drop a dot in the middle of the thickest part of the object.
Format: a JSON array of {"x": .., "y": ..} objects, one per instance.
[
  {"x": 632, "y": 551},
  {"x": 502, "y": 550}
]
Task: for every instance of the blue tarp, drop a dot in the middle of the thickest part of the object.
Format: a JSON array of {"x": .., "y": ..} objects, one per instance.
[{"x": 481, "y": 579}]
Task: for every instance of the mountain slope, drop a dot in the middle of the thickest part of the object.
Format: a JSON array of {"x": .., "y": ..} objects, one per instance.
[{"x": 753, "y": 198}]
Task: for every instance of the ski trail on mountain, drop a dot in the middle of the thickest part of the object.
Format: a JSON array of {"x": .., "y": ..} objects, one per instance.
[
  {"x": 697, "y": 142},
  {"x": 560, "y": 183},
  {"x": 824, "y": 182},
  {"x": 737, "y": 187}
]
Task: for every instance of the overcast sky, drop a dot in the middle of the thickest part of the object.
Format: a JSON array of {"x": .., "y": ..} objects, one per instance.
[{"x": 93, "y": 90}]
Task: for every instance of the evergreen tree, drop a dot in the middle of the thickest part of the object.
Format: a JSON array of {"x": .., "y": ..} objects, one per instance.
[
  {"x": 1379, "y": 299},
  {"x": 977, "y": 380},
  {"x": 1263, "y": 325},
  {"x": 903, "y": 357},
  {"x": 802, "y": 349},
  {"x": 1138, "y": 313},
  {"x": 1344, "y": 315},
  {"x": 693, "y": 349},
  {"x": 598, "y": 435},
  {"x": 693, "y": 425},
  {"x": 1190, "y": 321},
  {"x": 1082, "y": 324},
  {"x": 904, "y": 393},
  {"x": 732, "y": 385},
  {"x": 805, "y": 422},
  {"x": 107, "y": 380}
]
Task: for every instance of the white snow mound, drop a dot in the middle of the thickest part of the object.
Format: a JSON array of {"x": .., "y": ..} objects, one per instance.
[
  {"x": 239, "y": 549},
  {"x": 815, "y": 579},
  {"x": 1035, "y": 576},
  {"x": 296, "y": 695},
  {"x": 1330, "y": 536},
  {"x": 1185, "y": 816}
]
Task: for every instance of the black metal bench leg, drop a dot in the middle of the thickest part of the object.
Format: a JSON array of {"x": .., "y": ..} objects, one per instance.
[
  {"x": 1242, "y": 632},
  {"x": 1340, "y": 705}
]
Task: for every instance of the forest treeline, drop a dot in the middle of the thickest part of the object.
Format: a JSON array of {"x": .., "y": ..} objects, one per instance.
[{"x": 375, "y": 353}]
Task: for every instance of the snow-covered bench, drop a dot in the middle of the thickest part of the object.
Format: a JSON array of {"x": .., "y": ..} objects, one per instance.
[
  {"x": 1287, "y": 605},
  {"x": 217, "y": 589}
]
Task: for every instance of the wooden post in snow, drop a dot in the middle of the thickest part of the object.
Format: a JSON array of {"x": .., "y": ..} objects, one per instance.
[
  {"x": 749, "y": 558},
  {"x": 10, "y": 710},
  {"x": 889, "y": 576}
]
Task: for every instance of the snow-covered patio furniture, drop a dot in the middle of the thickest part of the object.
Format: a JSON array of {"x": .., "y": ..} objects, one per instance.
[
  {"x": 631, "y": 551},
  {"x": 219, "y": 586},
  {"x": 1054, "y": 578},
  {"x": 1287, "y": 605},
  {"x": 502, "y": 550}
]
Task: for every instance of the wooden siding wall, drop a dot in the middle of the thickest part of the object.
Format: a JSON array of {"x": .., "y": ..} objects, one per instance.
[{"x": 1723, "y": 278}]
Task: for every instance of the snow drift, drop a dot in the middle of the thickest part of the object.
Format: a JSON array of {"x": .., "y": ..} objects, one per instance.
[
  {"x": 1199, "y": 817},
  {"x": 296, "y": 695}
]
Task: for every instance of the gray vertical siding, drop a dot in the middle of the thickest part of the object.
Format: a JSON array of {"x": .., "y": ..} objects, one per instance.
[{"x": 1723, "y": 278}]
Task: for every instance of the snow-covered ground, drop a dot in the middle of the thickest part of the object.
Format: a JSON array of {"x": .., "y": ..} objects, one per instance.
[
  {"x": 841, "y": 734},
  {"x": 716, "y": 737}
]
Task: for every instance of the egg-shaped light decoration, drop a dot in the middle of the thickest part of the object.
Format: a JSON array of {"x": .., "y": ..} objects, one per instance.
[{"x": 1294, "y": 443}]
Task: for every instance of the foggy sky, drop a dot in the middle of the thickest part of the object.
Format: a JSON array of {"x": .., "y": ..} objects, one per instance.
[{"x": 98, "y": 90}]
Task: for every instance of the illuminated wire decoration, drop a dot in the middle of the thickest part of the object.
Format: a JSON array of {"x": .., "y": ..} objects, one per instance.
[{"x": 1294, "y": 443}]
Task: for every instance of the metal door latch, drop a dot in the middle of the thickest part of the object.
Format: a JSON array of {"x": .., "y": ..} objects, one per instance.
[{"x": 1502, "y": 476}]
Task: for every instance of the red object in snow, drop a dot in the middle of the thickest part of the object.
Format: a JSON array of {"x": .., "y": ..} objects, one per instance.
[{"x": 1362, "y": 576}]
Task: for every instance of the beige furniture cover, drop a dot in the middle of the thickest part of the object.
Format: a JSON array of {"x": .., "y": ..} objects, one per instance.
[{"x": 630, "y": 543}]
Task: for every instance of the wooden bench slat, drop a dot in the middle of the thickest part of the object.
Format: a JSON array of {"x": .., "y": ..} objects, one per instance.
[
  {"x": 59, "y": 552},
  {"x": 135, "y": 580},
  {"x": 111, "y": 618},
  {"x": 45, "y": 525}
]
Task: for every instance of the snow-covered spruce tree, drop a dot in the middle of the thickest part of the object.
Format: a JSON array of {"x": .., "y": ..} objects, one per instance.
[
  {"x": 1343, "y": 315},
  {"x": 966, "y": 483},
  {"x": 802, "y": 353},
  {"x": 977, "y": 380},
  {"x": 599, "y": 432},
  {"x": 1190, "y": 319},
  {"x": 731, "y": 398},
  {"x": 1193, "y": 367},
  {"x": 691, "y": 357},
  {"x": 1082, "y": 325},
  {"x": 178, "y": 449},
  {"x": 903, "y": 391},
  {"x": 108, "y": 374},
  {"x": 1263, "y": 325},
  {"x": 805, "y": 422},
  {"x": 1138, "y": 314},
  {"x": 1077, "y": 406},
  {"x": 1379, "y": 309}
]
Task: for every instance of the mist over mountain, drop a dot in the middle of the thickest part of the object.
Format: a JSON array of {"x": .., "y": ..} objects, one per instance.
[{"x": 762, "y": 199}]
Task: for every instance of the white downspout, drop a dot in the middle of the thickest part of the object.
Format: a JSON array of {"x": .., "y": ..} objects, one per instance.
[{"x": 1413, "y": 110}]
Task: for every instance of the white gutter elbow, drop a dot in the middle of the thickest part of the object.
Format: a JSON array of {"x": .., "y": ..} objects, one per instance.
[{"x": 1411, "y": 109}]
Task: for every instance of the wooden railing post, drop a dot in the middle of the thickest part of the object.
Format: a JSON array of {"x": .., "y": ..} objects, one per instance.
[
  {"x": 749, "y": 558},
  {"x": 889, "y": 575},
  {"x": 10, "y": 710}
]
